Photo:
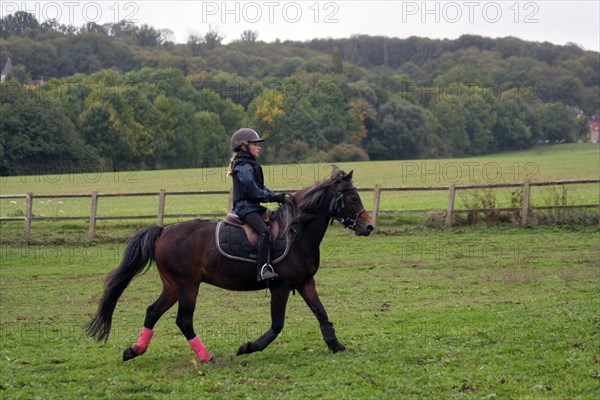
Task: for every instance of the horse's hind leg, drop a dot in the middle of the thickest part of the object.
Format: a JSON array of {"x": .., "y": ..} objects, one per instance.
[
  {"x": 185, "y": 322},
  {"x": 153, "y": 314},
  {"x": 279, "y": 298}
]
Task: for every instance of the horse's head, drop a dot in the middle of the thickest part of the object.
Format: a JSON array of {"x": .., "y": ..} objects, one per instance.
[{"x": 346, "y": 205}]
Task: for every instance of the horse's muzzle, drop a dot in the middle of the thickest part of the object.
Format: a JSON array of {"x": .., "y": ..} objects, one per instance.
[{"x": 364, "y": 225}]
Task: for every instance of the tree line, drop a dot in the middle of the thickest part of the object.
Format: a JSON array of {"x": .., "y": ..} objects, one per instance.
[{"x": 122, "y": 97}]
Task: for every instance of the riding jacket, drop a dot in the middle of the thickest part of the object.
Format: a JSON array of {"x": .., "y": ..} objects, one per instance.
[{"x": 248, "y": 186}]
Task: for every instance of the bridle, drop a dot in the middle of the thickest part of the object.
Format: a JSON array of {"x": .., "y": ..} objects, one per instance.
[{"x": 337, "y": 205}]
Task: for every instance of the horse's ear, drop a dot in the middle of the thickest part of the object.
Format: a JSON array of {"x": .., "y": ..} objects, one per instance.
[{"x": 348, "y": 176}]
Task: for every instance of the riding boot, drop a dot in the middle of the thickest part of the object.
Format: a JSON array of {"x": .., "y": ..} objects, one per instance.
[{"x": 265, "y": 270}]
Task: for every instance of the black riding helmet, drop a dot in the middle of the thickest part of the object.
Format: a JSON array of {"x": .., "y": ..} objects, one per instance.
[{"x": 244, "y": 136}]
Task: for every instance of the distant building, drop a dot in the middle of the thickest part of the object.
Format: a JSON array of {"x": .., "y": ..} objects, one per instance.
[
  {"x": 35, "y": 83},
  {"x": 6, "y": 71},
  {"x": 594, "y": 125}
]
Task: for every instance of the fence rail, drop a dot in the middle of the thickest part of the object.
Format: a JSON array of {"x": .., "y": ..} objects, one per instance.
[{"x": 449, "y": 212}]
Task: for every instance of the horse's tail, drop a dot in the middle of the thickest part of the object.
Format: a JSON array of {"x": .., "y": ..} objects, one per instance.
[{"x": 139, "y": 251}]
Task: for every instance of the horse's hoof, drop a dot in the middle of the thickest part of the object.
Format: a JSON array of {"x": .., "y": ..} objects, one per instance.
[
  {"x": 339, "y": 349},
  {"x": 128, "y": 354},
  {"x": 213, "y": 361},
  {"x": 244, "y": 349}
]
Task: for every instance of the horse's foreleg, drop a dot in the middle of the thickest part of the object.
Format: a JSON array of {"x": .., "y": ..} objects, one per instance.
[
  {"x": 153, "y": 313},
  {"x": 279, "y": 298},
  {"x": 308, "y": 292}
]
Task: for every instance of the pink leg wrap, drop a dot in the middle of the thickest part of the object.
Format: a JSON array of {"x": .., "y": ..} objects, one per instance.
[
  {"x": 198, "y": 347},
  {"x": 143, "y": 341}
]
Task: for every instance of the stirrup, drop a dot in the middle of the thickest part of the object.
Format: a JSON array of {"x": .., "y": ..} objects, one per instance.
[{"x": 266, "y": 273}]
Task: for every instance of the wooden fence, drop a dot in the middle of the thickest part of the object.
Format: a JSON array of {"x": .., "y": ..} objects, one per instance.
[{"x": 375, "y": 212}]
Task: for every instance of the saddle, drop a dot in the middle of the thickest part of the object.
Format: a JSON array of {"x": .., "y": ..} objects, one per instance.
[
  {"x": 269, "y": 218},
  {"x": 238, "y": 241}
]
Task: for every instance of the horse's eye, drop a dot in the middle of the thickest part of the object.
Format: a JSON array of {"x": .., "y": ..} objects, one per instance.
[{"x": 354, "y": 198}]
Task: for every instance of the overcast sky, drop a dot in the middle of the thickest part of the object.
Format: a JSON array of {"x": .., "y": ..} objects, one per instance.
[{"x": 555, "y": 21}]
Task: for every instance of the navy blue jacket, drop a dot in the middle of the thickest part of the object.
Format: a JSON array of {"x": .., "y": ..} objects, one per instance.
[{"x": 248, "y": 186}]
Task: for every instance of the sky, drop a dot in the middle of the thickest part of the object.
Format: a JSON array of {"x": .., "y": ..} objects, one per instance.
[{"x": 555, "y": 21}]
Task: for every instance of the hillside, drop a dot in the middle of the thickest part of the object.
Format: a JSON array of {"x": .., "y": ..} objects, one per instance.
[{"x": 121, "y": 96}]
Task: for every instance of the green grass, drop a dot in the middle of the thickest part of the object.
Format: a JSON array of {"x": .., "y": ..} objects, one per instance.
[
  {"x": 473, "y": 313},
  {"x": 561, "y": 162},
  {"x": 466, "y": 314}
]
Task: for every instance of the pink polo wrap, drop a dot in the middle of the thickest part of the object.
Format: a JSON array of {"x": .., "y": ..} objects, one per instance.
[
  {"x": 143, "y": 341},
  {"x": 198, "y": 347}
]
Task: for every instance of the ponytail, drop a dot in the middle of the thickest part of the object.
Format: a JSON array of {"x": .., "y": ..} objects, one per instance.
[{"x": 231, "y": 161}]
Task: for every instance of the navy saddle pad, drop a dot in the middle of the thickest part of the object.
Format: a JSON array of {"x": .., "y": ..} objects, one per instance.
[{"x": 233, "y": 243}]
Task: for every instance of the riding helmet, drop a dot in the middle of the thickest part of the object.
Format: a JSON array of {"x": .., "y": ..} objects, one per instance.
[{"x": 244, "y": 136}]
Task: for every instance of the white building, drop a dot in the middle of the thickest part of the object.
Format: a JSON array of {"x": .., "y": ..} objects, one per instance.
[{"x": 6, "y": 71}]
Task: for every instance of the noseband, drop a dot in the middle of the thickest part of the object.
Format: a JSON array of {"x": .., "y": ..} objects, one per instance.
[{"x": 337, "y": 205}]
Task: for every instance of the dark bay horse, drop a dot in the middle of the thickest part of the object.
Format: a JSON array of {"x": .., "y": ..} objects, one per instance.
[{"x": 186, "y": 255}]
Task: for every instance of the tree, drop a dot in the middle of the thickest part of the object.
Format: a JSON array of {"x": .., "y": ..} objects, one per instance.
[
  {"x": 124, "y": 30},
  {"x": 52, "y": 26},
  {"x": 300, "y": 123},
  {"x": 19, "y": 72},
  {"x": 480, "y": 118},
  {"x": 96, "y": 130},
  {"x": 166, "y": 36},
  {"x": 213, "y": 38},
  {"x": 178, "y": 140},
  {"x": 93, "y": 27},
  {"x": 568, "y": 90},
  {"x": 194, "y": 43},
  {"x": 402, "y": 132},
  {"x": 365, "y": 114},
  {"x": 335, "y": 123},
  {"x": 147, "y": 36},
  {"x": 337, "y": 65},
  {"x": 168, "y": 81},
  {"x": 452, "y": 128},
  {"x": 216, "y": 140},
  {"x": 344, "y": 152},
  {"x": 557, "y": 123},
  {"x": 89, "y": 53},
  {"x": 265, "y": 115},
  {"x": 113, "y": 122},
  {"x": 288, "y": 67},
  {"x": 368, "y": 92},
  {"x": 36, "y": 137},
  {"x": 238, "y": 89},
  {"x": 18, "y": 24},
  {"x": 249, "y": 36},
  {"x": 510, "y": 130},
  {"x": 582, "y": 129},
  {"x": 40, "y": 58},
  {"x": 232, "y": 116}
]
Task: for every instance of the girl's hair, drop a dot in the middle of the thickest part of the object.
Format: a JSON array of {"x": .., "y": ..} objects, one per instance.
[{"x": 230, "y": 167}]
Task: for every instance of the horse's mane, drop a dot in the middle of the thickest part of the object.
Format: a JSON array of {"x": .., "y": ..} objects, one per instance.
[{"x": 302, "y": 207}]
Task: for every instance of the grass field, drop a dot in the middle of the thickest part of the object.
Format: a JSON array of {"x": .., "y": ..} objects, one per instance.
[
  {"x": 563, "y": 162},
  {"x": 473, "y": 313},
  {"x": 476, "y": 313}
]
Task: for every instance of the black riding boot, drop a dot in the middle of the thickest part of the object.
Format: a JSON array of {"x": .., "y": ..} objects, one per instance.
[{"x": 265, "y": 270}]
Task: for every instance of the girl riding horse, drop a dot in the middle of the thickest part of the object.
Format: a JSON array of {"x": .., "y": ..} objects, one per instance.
[{"x": 186, "y": 255}]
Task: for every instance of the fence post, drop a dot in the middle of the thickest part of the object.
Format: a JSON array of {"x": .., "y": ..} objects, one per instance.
[
  {"x": 161, "y": 207},
  {"x": 376, "y": 198},
  {"x": 28, "y": 215},
  {"x": 93, "y": 212},
  {"x": 450, "y": 211},
  {"x": 525, "y": 213}
]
